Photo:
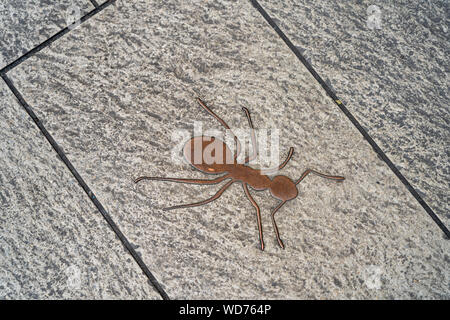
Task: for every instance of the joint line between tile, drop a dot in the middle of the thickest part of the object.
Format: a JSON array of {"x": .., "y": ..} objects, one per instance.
[
  {"x": 55, "y": 37},
  {"x": 94, "y": 3}
]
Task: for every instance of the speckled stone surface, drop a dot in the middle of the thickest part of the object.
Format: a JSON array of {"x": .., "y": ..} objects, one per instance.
[
  {"x": 27, "y": 23},
  {"x": 100, "y": 2},
  {"x": 392, "y": 75},
  {"x": 54, "y": 244},
  {"x": 114, "y": 90}
]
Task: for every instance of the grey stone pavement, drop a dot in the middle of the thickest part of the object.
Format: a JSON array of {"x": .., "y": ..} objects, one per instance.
[{"x": 93, "y": 92}]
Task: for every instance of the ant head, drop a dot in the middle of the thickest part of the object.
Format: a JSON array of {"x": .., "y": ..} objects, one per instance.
[
  {"x": 283, "y": 188},
  {"x": 208, "y": 154}
]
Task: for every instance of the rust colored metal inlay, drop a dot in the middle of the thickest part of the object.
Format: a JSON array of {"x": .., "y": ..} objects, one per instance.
[{"x": 280, "y": 187}]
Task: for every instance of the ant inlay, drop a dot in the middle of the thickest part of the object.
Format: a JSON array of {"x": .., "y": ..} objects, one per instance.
[{"x": 280, "y": 187}]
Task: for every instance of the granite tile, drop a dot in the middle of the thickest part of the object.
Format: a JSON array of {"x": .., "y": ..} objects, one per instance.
[
  {"x": 27, "y": 23},
  {"x": 115, "y": 91},
  {"x": 53, "y": 242},
  {"x": 388, "y": 61}
]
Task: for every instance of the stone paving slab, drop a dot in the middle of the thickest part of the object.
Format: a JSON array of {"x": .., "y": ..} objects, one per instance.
[
  {"x": 27, "y": 23},
  {"x": 388, "y": 61},
  {"x": 113, "y": 92},
  {"x": 54, "y": 244}
]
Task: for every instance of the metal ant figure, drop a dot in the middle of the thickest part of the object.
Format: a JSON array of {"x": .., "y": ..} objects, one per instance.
[{"x": 280, "y": 187}]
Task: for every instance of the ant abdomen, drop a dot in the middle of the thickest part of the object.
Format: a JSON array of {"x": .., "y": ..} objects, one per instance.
[{"x": 208, "y": 154}]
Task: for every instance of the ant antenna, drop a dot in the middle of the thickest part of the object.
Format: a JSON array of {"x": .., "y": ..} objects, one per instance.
[{"x": 236, "y": 140}]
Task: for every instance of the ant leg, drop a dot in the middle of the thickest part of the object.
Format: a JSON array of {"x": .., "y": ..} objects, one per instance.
[
  {"x": 291, "y": 152},
  {"x": 236, "y": 140},
  {"x": 253, "y": 136},
  {"x": 275, "y": 224},
  {"x": 193, "y": 181},
  {"x": 214, "y": 197},
  {"x": 258, "y": 214},
  {"x": 308, "y": 171},
  {"x": 281, "y": 166}
]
